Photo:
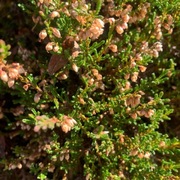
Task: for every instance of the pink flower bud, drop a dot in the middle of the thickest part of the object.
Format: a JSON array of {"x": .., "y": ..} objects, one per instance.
[
  {"x": 75, "y": 68},
  {"x": 67, "y": 123},
  {"x": 56, "y": 48},
  {"x": 62, "y": 76},
  {"x": 134, "y": 77},
  {"x": 111, "y": 21},
  {"x": 99, "y": 23},
  {"x": 126, "y": 18},
  {"x": 13, "y": 73},
  {"x": 36, "y": 128},
  {"x": 162, "y": 144},
  {"x": 54, "y": 14},
  {"x": 11, "y": 82},
  {"x": 119, "y": 29},
  {"x": 43, "y": 34},
  {"x": 4, "y": 76},
  {"x": 19, "y": 166},
  {"x": 155, "y": 53},
  {"x": 147, "y": 155},
  {"x": 95, "y": 72},
  {"x": 49, "y": 46},
  {"x": 127, "y": 85},
  {"x": 142, "y": 68},
  {"x": 81, "y": 100},
  {"x": 124, "y": 25},
  {"x": 134, "y": 115},
  {"x": 159, "y": 35},
  {"x": 113, "y": 48}
]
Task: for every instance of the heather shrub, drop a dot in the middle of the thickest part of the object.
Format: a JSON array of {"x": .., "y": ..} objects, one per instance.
[{"x": 88, "y": 89}]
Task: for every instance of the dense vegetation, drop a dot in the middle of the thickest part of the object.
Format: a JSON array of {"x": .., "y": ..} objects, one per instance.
[{"x": 89, "y": 89}]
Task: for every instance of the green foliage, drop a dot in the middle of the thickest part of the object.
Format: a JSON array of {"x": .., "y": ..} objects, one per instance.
[
  {"x": 90, "y": 101},
  {"x": 4, "y": 50}
]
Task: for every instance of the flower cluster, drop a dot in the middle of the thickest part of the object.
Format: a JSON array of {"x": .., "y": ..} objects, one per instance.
[
  {"x": 10, "y": 73},
  {"x": 67, "y": 123},
  {"x": 153, "y": 50},
  {"x": 96, "y": 29},
  {"x": 95, "y": 80},
  {"x": 140, "y": 155},
  {"x": 133, "y": 100},
  {"x": 141, "y": 14},
  {"x": 44, "y": 122}
]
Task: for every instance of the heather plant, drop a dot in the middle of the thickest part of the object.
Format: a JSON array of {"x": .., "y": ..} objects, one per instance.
[{"x": 89, "y": 100}]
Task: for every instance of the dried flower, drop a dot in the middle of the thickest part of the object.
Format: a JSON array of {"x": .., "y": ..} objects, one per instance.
[
  {"x": 146, "y": 113},
  {"x": 56, "y": 32},
  {"x": 18, "y": 110},
  {"x": 37, "y": 97},
  {"x": 133, "y": 101},
  {"x": 56, "y": 62}
]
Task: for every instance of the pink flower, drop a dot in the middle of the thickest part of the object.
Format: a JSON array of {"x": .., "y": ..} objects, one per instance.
[{"x": 67, "y": 123}]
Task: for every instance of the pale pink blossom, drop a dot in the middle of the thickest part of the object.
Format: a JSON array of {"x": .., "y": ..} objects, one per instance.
[{"x": 67, "y": 124}]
